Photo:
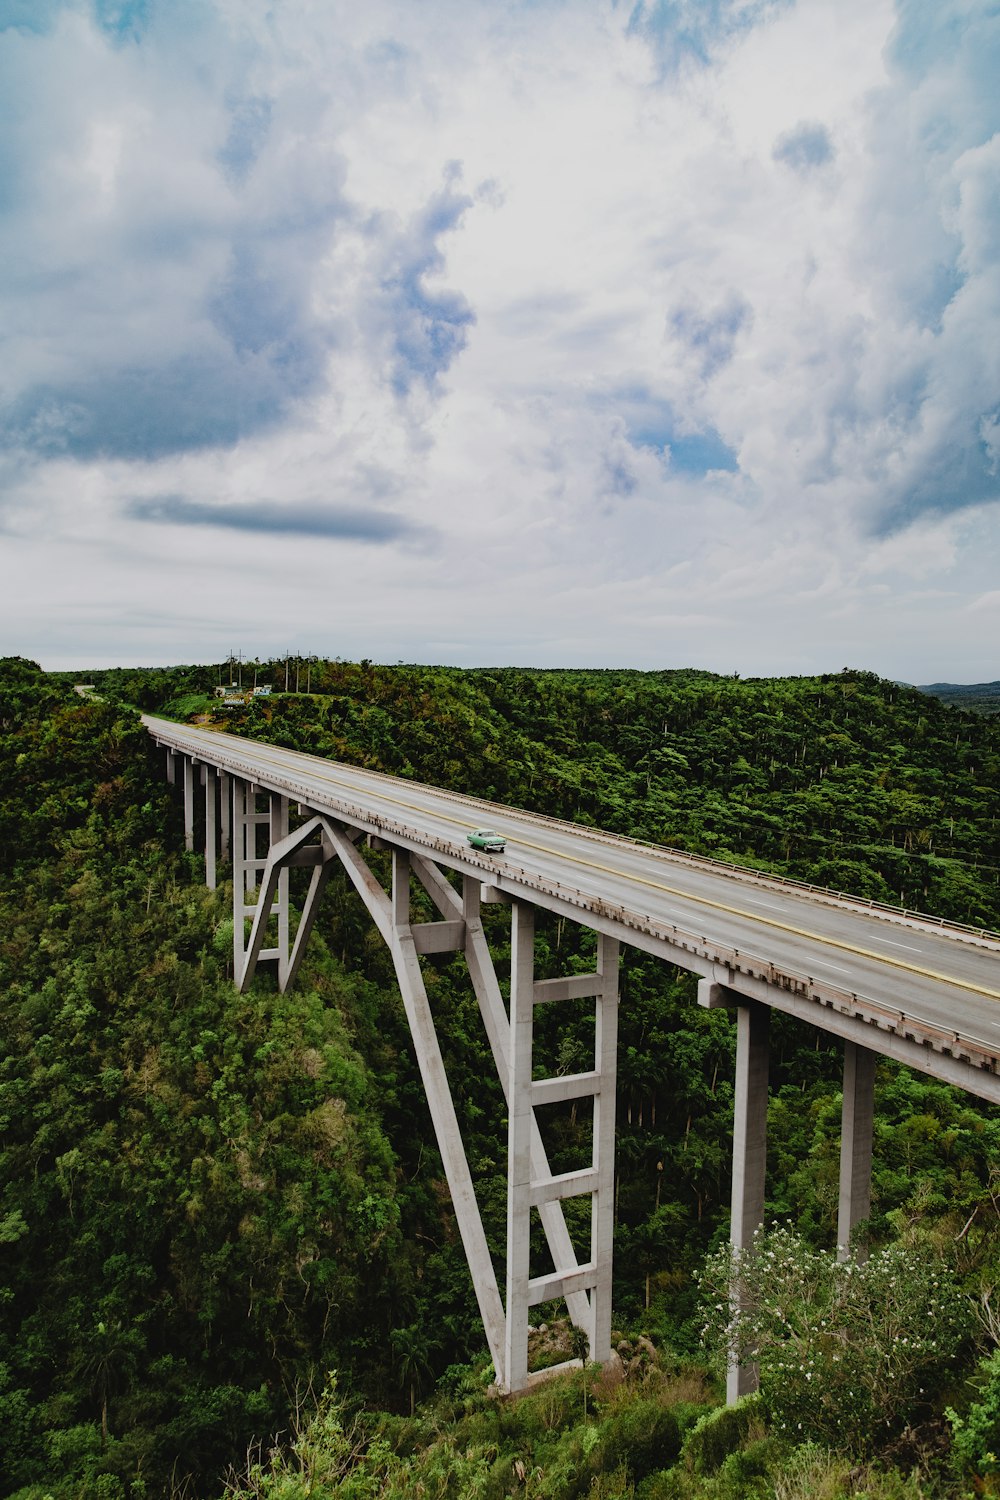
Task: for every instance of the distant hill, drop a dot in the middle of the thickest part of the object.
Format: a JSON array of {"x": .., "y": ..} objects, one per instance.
[{"x": 979, "y": 697}]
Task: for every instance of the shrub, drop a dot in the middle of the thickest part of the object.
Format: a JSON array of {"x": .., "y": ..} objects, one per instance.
[
  {"x": 976, "y": 1440},
  {"x": 719, "y": 1433},
  {"x": 848, "y": 1351},
  {"x": 642, "y": 1437}
]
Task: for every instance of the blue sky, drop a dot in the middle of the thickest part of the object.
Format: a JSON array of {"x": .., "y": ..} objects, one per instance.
[{"x": 652, "y": 333}]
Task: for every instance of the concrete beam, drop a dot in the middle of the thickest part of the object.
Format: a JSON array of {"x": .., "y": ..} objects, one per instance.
[
  {"x": 438, "y": 937},
  {"x": 568, "y": 987},
  {"x": 868, "y": 1034},
  {"x": 565, "y": 1086}
]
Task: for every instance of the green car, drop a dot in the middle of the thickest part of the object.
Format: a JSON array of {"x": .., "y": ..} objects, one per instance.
[{"x": 488, "y": 839}]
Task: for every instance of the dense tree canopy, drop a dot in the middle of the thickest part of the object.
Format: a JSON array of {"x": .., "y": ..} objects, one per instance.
[{"x": 208, "y": 1201}]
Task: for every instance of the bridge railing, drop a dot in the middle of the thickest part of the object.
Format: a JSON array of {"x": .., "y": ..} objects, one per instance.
[
  {"x": 985, "y": 935},
  {"x": 746, "y": 872},
  {"x": 820, "y": 992}
]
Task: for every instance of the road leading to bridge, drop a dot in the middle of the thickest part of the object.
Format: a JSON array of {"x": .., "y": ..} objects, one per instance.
[{"x": 945, "y": 977}]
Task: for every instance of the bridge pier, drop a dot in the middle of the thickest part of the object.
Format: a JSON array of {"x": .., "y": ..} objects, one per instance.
[
  {"x": 247, "y": 866},
  {"x": 527, "y": 1186},
  {"x": 188, "y": 772},
  {"x": 208, "y": 781},
  {"x": 225, "y": 812},
  {"x": 750, "y": 1141},
  {"x": 856, "y": 1132},
  {"x": 749, "y": 1152}
]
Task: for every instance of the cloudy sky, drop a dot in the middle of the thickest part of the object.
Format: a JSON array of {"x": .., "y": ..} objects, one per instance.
[{"x": 556, "y": 332}]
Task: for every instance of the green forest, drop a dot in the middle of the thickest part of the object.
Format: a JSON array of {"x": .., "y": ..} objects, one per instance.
[{"x": 230, "y": 1267}]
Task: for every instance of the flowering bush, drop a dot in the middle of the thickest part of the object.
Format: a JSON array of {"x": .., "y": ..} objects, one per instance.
[{"x": 848, "y": 1350}]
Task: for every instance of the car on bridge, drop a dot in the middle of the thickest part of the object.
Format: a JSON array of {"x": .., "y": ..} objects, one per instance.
[{"x": 488, "y": 840}]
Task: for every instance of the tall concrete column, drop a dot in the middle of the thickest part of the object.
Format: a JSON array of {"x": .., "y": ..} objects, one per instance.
[
  {"x": 244, "y": 847},
  {"x": 171, "y": 767},
  {"x": 208, "y": 773},
  {"x": 225, "y": 811},
  {"x": 856, "y": 1146},
  {"x": 749, "y": 1151},
  {"x": 188, "y": 803},
  {"x": 603, "y": 1202},
  {"x": 519, "y": 1116}
]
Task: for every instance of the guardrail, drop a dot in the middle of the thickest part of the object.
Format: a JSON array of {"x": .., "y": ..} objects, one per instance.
[
  {"x": 706, "y": 861},
  {"x": 905, "y": 915},
  {"x": 821, "y": 992}
]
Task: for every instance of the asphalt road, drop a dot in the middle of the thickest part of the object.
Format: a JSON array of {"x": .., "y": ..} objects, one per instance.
[{"x": 942, "y": 975}]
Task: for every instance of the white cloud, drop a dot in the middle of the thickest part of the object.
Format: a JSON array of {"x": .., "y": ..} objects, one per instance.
[{"x": 667, "y": 351}]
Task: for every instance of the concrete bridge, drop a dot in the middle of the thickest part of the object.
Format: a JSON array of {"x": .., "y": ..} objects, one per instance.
[{"x": 885, "y": 981}]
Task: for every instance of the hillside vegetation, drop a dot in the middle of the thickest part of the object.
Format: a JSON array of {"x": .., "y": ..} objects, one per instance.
[
  {"x": 979, "y": 697},
  {"x": 211, "y": 1201}
]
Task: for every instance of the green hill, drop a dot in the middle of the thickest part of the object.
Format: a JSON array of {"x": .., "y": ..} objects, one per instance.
[
  {"x": 977, "y": 697},
  {"x": 209, "y": 1201}
]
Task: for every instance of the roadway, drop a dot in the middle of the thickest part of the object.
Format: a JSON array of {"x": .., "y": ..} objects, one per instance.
[{"x": 942, "y": 977}]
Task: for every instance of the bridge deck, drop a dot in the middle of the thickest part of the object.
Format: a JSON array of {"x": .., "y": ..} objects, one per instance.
[{"x": 933, "y": 986}]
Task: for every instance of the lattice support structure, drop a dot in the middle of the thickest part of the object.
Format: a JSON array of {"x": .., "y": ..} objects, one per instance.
[
  {"x": 248, "y": 822},
  {"x": 528, "y": 1189},
  {"x": 531, "y": 1186}
]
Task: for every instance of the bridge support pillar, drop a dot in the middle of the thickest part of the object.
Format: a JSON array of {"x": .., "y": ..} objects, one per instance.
[
  {"x": 749, "y": 1139},
  {"x": 522, "y": 1005},
  {"x": 528, "y": 1185},
  {"x": 248, "y": 863},
  {"x": 171, "y": 767},
  {"x": 856, "y": 1147},
  {"x": 225, "y": 812},
  {"x": 208, "y": 777},
  {"x": 278, "y": 830},
  {"x": 573, "y": 1280},
  {"x": 749, "y": 1153},
  {"x": 403, "y": 947},
  {"x": 188, "y": 803}
]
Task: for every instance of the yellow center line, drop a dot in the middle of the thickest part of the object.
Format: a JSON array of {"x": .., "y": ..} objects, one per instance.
[
  {"x": 802, "y": 932},
  {"x": 656, "y": 885}
]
